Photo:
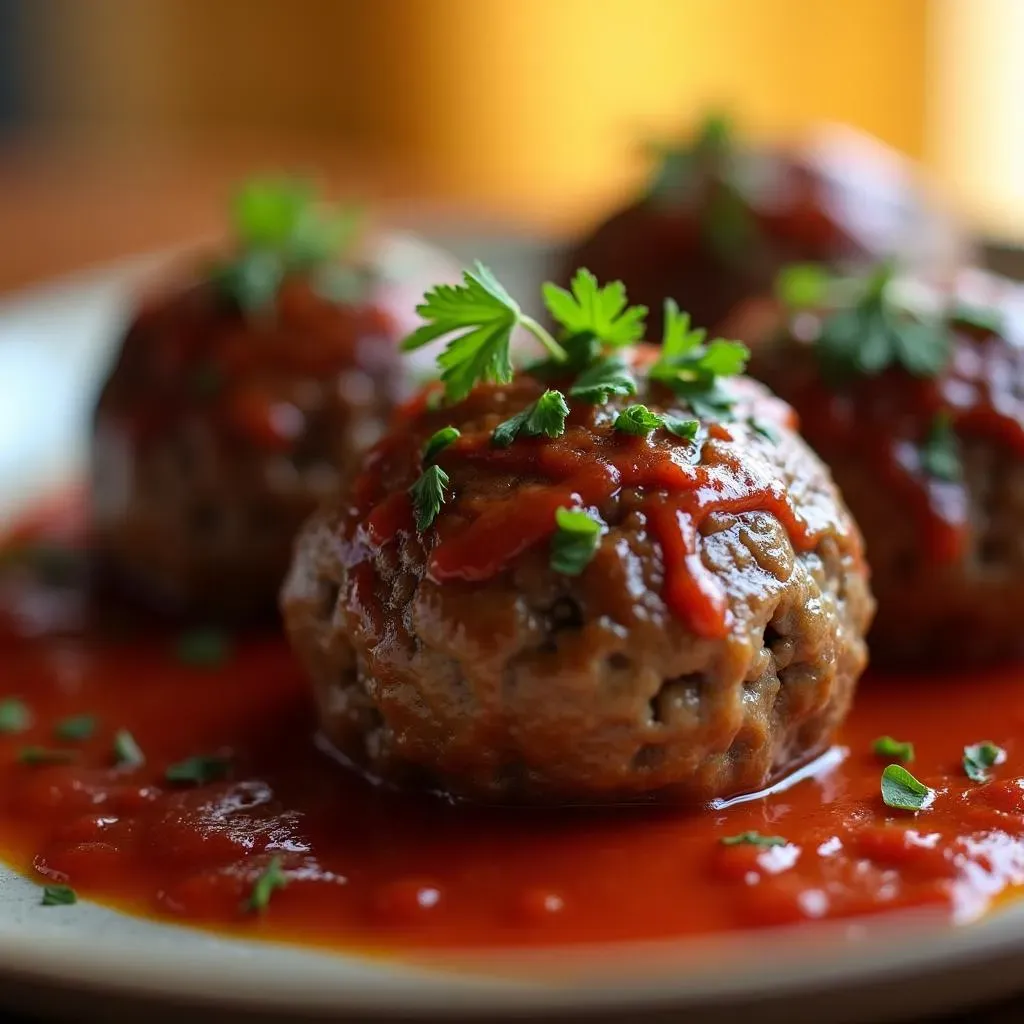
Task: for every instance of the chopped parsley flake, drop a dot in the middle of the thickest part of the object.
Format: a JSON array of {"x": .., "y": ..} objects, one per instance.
[
  {"x": 45, "y": 755},
  {"x": 428, "y": 495},
  {"x": 753, "y": 839},
  {"x": 893, "y": 750},
  {"x": 58, "y": 896},
  {"x": 803, "y": 285},
  {"x": 437, "y": 444},
  {"x": 902, "y": 791},
  {"x": 545, "y": 416},
  {"x": 940, "y": 453},
  {"x": 203, "y": 648},
  {"x": 199, "y": 770},
  {"x": 76, "y": 728},
  {"x": 575, "y": 541},
  {"x": 272, "y": 878},
  {"x": 979, "y": 757},
  {"x": 14, "y": 715},
  {"x": 127, "y": 753},
  {"x": 764, "y": 429},
  {"x": 602, "y": 313}
]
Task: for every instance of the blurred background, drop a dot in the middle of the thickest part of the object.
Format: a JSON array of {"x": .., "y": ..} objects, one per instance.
[{"x": 123, "y": 122}]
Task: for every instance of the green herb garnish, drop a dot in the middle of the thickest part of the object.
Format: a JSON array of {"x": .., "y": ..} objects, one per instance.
[
  {"x": 985, "y": 318},
  {"x": 271, "y": 878},
  {"x": 199, "y": 770},
  {"x": 753, "y": 839},
  {"x": 76, "y": 728},
  {"x": 575, "y": 540},
  {"x": 204, "y": 648},
  {"x": 684, "y": 428},
  {"x": 479, "y": 316},
  {"x": 940, "y": 453},
  {"x": 127, "y": 752},
  {"x": 979, "y": 757},
  {"x": 14, "y": 715},
  {"x": 901, "y": 790},
  {"x": 893, "y": 750},
  {"x": 428, "y": 495},
  {"x": 281, "y": 228},
  {"x": 600, "y": 312},
  {"x": 803, "y": 285},
  {"x": 605, "y": 377},
  {"x": 875, "y": 332},
  {"x": 45, "y": 755},
  {"x": 692, "y": 368},
  {"x": 437, "y": 444},
  {"x": 58, "y": 896},
  {"x": 638, "y": 419},
  {"x": 545, "y": 417},
  {"x": 764, "y": 429}
]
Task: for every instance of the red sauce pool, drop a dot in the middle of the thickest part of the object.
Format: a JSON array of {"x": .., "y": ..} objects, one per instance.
[{"x": 368, "y": 869}]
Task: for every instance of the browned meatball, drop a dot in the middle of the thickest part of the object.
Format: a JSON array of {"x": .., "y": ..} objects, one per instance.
[
  {"x": 718, "y": 221},
  {"x": 713, "y": 641},
  {"x": 931, "y": 464},
  {"x": 218, "y": 432}
]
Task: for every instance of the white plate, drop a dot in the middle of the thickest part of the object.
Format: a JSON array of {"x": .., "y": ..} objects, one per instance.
[{"x": 54, "y": 344}]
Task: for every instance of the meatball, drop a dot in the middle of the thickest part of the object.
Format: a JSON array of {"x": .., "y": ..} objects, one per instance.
[
  {"x": 717, "y": 222},
  {"x": 712, "y": 642},
  {"x": 929, "y": 456}
]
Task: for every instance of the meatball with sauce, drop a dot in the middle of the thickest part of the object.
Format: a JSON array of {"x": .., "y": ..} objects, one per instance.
[
  {"x": 241, "y": 397},
  {"x": 545, "y": 590},
  {"x": 913, "y": 394},
  {"x": 718, "y": 220}
]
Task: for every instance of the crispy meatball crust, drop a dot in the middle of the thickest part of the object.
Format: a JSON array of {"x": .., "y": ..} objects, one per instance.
[
  {"x": 215, "y": 437},
  {"x": 531, "y": 686}
]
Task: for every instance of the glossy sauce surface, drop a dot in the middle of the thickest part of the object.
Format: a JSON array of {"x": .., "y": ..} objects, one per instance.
[{"x": 369, "y": 869}]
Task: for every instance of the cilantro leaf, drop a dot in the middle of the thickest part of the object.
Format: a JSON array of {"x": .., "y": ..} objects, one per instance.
[
  {"x": 438, "y": 442},
  {"x": 600, "y": 312},
  {"x": 478, "y": 316},
  {"x": 575, "y": 540},
  {"x": 802, "y": 285},
  {"x": 270, "y": 879},
  {"x": 901, "y": 790},
  {"x": 545, "y": 416},
  {"x": 199, "y": 770},
  {"x": 58, "y": 896},
  {"x": 606, "y": 377},
  {"x": 638, "y": 419},
  {"x": 893, "y": 750},
  {"x": 940, "y": 453},
  {"x": 979, "y": 757},
  {"x": 127, "y": 753},
  {"x": 14, "y": 715},
  {"x": 753, "y": 839},
  {"x": 78, "y": 727},
  {"x": 428, "y": 495}
]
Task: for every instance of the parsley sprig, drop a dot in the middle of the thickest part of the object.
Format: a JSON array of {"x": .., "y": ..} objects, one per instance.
[
  {"x": 639, "y": 420},
  {"x": 600, "y": 312},
  {"x": 478, "y": 317},
  {"x": 545, "y": 417}
]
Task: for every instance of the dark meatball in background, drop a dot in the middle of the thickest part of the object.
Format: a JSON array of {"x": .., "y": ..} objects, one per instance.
[
  {"x": 719, "y": 220},
  {"x": 243, "y": 395},
  {"x": 930, "y": 463},
  {"x": 713, "y": 642}
]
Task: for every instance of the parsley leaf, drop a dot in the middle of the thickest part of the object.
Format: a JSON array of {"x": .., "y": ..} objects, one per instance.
[
  {"x": 940, "y": 453},
  {"x": 575, "y": 541},
  {"x": 901, "y": 790},
  {"x": 545, "y": 416},
  {"x": 199, "y": 770},
  {"x": 14, "y": 715},
  {"x": 979, "y": 757},
  {"x": 692, "y": 368},
  {"x": 753, "y": 839},
  {"x": 45, "y": 755},
  {"x": 600, "y": 312},
  {"x": 638, "y": 419},
  {"x": 428, "y": 495},
  {"x": 607, "y": 376},
  {"x": 438, "y": 442},
  {"x": 893, "y": 750},
  {"x": 984, "y": 318},
  {"x": 478, "y": 316},
  {"x": 686, "y": 429},
  {"x": 764, "y": 429},
  {"x": 271, "y": 878},
  {"x": 127, "y": 753},
  {"x": 802, "y": 285},
  {"x": 58, "y": 896},
  {"x": 203, "y": 648},
  {"x": 78, "y": 727},
  {"x": 875, "y": 333}
]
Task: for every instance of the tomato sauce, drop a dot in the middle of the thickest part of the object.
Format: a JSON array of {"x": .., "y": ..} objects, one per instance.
[{"x": 367, "y": 868}]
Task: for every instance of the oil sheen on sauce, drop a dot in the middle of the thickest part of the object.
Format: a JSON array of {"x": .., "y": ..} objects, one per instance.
[{"x": 371, "y": 869}]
